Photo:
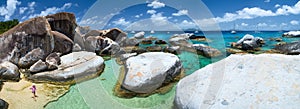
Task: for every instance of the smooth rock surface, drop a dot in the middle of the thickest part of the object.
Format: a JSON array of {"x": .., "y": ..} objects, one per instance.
[
  {"x": 38, "y": 67},
  {"x": 9, "y": 72},
  {"x": 75, "y": 67},
  {"x": 266, "y": 81},
  {"x": 31, "y": 57},
  {"x": 206, "y": 50},
  {"x": 53, "y": 61},
  {"x": 291, "y": 34},
  {"x": 148, "y": 71},
  {"x": 63, "y": 44},
  {"x": 139, "y": 35},
  {"x": 289, "y": 48},
  {"x": 102, "y": 45},
  {"x": 3, "y": 104}
]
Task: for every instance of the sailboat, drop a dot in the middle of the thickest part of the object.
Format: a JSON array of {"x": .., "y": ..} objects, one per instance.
[
  {"x": 257, "y": 31},
  {"x": 233, "y": 31},
  {"x": 152, "y": 31}
]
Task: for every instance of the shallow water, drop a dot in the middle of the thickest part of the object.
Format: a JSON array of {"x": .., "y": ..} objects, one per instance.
[{"x": 98, "y": 92}]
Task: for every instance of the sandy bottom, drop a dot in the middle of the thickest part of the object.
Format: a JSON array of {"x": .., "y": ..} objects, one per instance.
[{"x": 19, "y": 96}]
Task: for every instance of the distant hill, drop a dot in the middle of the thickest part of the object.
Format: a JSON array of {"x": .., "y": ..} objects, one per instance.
[{"x": 6, "y": 25}]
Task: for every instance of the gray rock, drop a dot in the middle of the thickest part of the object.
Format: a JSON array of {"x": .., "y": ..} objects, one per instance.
[
  {"x": 74, "y": 67},
  {"x": 3, "y": 104},
  {"x": 63, "y": 44},
  {"x": 31, "y": 57},
  {"x": 289, "y": 48},
  {"x": 77, "y": 48},
  {"x": 249, "y": 42},
  {"x": 148, "y": 71},
  {"x": 38, "y": 67},
  {"x": 206, "y": 50},
  {"x": 102, "y": 45},
  {"x": 139, "y": 35},
  {"x": 130, "y": 42},
  {"x": 267, "y": 81},
  {"x": 181, "y": 40},
  {"x": 53, "y": 60},
  {"x": 9, "y": 72}
]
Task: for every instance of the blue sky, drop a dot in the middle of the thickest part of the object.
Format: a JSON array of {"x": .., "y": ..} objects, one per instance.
[{"x": 154, "y": 14}]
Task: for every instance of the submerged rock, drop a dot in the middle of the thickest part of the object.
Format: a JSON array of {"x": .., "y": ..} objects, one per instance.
[
  {"x": 145, "y": 41},
  {"x": 206, "y": 51},
  {"x": 242, "y": 81},
  {"x": 3, "y": 104},
  {"x": 31, "y": 57},
  {"x": 289, "y": 48},
  {"x": 75, "y": 67},
  {"x": 9, "y": 72},
  {"x": 148, "y": 71}
]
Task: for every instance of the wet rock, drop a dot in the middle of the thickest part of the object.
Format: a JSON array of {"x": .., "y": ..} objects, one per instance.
[
  {"x": 64, "y": 23},
  {"x": 235, "y": 51},
  {"x": 154, "y": 48},
  {"x": 144, "y": 41},
  {"x": 75, "y": 67},
  {"x": 31, "y": 57},
  {"x": 38, "y": 67},
  {"x": 160, "y": 42},
  {"x": 148, "y": 71},
  {"x": 134, "y": 49},
  {"x": 9, "y": 72},
  {"x": 25, "y": 37},
  {"x": 198, "y": 38},
  {"x": 3, "y": 104},
  {"x": 266, "y": 77},
  {"x": 289, "y": 48},
  {"x": 63, "y": 44},
  {"x": 173, "y": 50},
  {"x": 53, "y": 60},
  {"x": 276, "y": 39},
  {"x": 206, "y": 51}
]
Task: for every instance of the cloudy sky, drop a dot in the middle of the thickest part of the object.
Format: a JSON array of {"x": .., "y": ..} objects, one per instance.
[{"x": 153, "y": 14}]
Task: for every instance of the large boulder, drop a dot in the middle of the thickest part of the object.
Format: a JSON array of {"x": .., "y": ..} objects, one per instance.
[
  {"x": 139, "y": 35},
  {"x": 116, "y": 35},
  {"x": 3, "y": 104},
  {"x": 9, "y": 72},
  {"x": 64, "y": 23},
  {"x": 291, "y": 34},
  {"x": 268, "y": 81},
  {"x": 38, "y": 67},
  {"x": 249, "y": 42},
  {"x": 63, "y": 44},
  {"x": 31, "y": 57},
  {"x": 129, "y": 42},
  {"x": 290, "y": 48},
  {"x": 206, "y": 51},
  {"x": 79, "y": 37},
  {"x": 24, "y": 37},
  {"x": 101, "y": 45},
  {"x": 75, "y": 67},
  {"x": 148, "y": 71},
  {"x": 181, "y": 40}
]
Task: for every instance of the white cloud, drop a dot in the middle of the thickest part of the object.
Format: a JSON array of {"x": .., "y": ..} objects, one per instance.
[
  {"x": 159, "y": 19},
  {"x": 121, "y": 22},
  {"x": 180, "y": 13},
  {"x": 250, "y": 13},
  {"x": 52, "y": 10},
  {"x": 156, "y": 4},
  {"x": 273, "y": 26},
  {"x": 22, "y": 10},
  {"x": 10, "y": 8},
  {"x": 187, "y": 24},
  {"x": 262, "y": 24},
  {"x": 283, "y": 24},
  {"x": 138, "y": 16},
  {"x": 151, "y": 11},
  {"x": 244, "y": 24},
  {"x": 90, "y": 21},
  {"x": 267, "y": 1},
  {"x": 277, "y": 6},
  {"x": 294, "y": 22}
]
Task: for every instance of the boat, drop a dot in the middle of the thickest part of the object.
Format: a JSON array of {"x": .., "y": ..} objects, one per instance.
[
  {"x": 132, "y": 32},
  {"x": 233, "y": 31},
  {"x": 152, "y": 32}
]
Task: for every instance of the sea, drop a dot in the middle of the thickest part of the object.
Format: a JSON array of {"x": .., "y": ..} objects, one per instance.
[{"x": 98, "y": 92}]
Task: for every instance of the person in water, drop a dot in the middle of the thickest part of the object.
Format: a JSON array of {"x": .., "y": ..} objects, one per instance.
[{"x": 33, "y": 90}]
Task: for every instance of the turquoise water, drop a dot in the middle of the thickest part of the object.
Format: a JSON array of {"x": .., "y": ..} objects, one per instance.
[{"x": 98, "y": 92}]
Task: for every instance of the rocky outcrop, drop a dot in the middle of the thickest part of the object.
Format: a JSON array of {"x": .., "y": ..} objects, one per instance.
[
  {"x": 148, "y": 71},
  {"x": 145, "y": 41},
  {"x": 101, "y": 45},
  {"x": 3, "y": 104},
  {"x": 206, "y": 51},
  {"x": 53, "y": 60},
  {"x": 181, "y": 40},
  {"x": 291, "y": 34},
  {"x": 173, "y": 50},
  {"x": 290, "y": 48},
  {"x": 129, "y": 42},
  {"x": 9, "y": 72},
  {"x": 249, "y": 42},
  {"x": 242, "y": 81},
  {"x": 139, "y": 35},
  {"x": 31, "y": 57},
  {"x": 75, "y": 67},
  {"x": 64, "y": 23},
  {"x": 63, "y": 44},
  {"x": 154, "y": 48},
  {"x": 25, "y": 37}
]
